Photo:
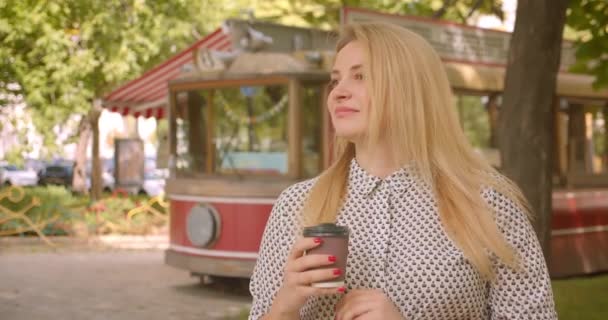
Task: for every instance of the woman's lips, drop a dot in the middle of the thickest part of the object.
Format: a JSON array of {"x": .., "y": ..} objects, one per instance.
[{"x": 342, "y": 112}]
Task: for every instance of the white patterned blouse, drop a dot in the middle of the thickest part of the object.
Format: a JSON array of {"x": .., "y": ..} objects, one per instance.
[{"x": 398, "y": 245}]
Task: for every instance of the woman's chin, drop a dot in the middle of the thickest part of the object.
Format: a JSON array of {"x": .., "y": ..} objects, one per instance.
[{"x": 349, "y": 135}]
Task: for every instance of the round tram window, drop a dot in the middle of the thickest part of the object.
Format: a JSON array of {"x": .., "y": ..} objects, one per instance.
[{"x": 202, "y": 225}]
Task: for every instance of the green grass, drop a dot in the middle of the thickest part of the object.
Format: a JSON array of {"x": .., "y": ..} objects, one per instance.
[
  {"x": 582, "y": 298},
  {"x": 242, "y": 315}
]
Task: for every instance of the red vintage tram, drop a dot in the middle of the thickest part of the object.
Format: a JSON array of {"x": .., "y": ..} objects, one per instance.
[{"x": 247, "y": 122}]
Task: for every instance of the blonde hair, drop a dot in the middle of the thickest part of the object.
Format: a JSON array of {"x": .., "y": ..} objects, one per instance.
[{"x": 412, "y": 108}]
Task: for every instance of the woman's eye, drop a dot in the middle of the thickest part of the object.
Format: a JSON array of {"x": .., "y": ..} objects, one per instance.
[
  {"x": 358, "y": 76},
  {"x": 333, "y": 83}
]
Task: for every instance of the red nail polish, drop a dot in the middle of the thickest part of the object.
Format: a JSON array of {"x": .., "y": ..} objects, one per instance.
[
  {"x": 331, "y": 258},
  {"x": 342, "y": 289},
  {"x": 337, "y": 272},
  {"x": 318, "y": 240}
]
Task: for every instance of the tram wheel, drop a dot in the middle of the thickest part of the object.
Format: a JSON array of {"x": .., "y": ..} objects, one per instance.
[{"x": 238, "y": 286}]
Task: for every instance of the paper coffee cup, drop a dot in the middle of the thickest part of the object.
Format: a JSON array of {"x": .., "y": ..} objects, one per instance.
[{"x": 335, "y": 242}]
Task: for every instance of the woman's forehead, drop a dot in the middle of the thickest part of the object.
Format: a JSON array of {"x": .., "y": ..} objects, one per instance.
[{"x": 351, "y": 56}]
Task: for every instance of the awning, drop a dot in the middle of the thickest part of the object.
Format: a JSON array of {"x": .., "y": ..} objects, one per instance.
[{"x": 147, "y": 95}]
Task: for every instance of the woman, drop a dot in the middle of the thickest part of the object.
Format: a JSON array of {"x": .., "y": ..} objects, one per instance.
[{"x": 436, "y": 232}]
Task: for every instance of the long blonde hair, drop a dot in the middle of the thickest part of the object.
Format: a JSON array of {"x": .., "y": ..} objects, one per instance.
[{"x": 412, "y": 109}]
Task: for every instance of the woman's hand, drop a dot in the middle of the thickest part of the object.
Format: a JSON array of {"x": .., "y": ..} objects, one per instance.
[
  {"x": 297, "y": 279},
  {"x": 367, "y": 304}
]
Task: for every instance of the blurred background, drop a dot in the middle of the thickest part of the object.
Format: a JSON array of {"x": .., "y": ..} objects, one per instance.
[{"x": 143, "y": 143}]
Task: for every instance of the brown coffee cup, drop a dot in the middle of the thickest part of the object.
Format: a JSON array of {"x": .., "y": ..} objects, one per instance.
[{"x": 334, "y": 242}]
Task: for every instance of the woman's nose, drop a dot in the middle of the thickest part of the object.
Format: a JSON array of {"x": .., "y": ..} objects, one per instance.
[{"x": 340, "y": 92}]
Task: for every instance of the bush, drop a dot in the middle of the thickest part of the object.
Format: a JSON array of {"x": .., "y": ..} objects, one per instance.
[
  {"x": 47, "y": 208},
  {"x": 116, "y": 215},
  {"x": 59, "y": 212}
]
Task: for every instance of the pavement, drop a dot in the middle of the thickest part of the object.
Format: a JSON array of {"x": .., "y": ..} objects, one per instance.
[{"x": 80, "y": 279}]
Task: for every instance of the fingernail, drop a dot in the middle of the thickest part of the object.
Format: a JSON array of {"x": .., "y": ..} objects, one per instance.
[
  {"x": 331, "y": 258},
  {"x": 317, "y": 240},
  {"x": 341, "y": 289},
  {"x": 337, "y": 272}
]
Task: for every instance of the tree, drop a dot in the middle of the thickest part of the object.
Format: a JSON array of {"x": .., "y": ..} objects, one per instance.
[
  {"x": 326, "y": 13},
  {"x": 589, "y": 19},
  {"x": 64, "y": 54},
  {"x": 525, "y": 126}
]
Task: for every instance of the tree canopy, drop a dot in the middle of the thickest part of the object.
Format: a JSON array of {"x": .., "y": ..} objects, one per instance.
[
  {"x": 62, "y": 54},
  {"x": 590, "y": 19},
  {"x": 326, "y": 13}
]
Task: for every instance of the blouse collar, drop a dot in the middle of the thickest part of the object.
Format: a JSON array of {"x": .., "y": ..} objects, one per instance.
[{"x": 366, "y": 184}]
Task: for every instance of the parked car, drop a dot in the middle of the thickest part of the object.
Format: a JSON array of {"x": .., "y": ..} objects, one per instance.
[
  {"x": 10, "y": 175},
  {"x": 57, "y": 174},
  {"x": 62, "y": 174},
  {"x": 154, "y": 182}
]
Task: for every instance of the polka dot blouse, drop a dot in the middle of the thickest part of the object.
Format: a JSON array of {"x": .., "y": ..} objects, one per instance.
[{"x": 398, "y": 245}]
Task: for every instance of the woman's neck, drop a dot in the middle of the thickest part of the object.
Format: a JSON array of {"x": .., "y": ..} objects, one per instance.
[{"x": 375, "y": 160}]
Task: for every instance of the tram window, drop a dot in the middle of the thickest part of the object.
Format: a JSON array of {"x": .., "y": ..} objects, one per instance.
[
  {"x": 474, "y": 113},
  {"x": 474, "y": 120},
  {"x": 250, "y": 130},
  {"x": 597, "y": 120},
  {"x": 312, "y": 105},
  {"x": 581, "y": 145},
  {"x": 191, "y": 137}
]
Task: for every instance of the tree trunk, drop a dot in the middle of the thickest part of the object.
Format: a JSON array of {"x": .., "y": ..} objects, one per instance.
[
  {"x": 96, "y": 180},
  {"x": 526, "y": 118},
  {"x": 79, "y": 176}
]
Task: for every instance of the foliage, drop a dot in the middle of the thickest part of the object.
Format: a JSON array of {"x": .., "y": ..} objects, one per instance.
[
  {"x": 63, "y": 54},
  {"x": 590, "y": 19},
  {"x": 54, "y": 206},
  {"x": 61, "y": 212},
  {"x": 14, "y": 155},
  {"x": 126, "y": 215},
  {"x": 326, "y": 13}
]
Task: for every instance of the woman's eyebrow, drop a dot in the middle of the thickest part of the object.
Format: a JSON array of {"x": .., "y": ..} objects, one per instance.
[{"x": 353, "y": 68}]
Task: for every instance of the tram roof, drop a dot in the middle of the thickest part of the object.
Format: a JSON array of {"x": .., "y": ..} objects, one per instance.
[
  {"x": 485, "y": 78},
  {"x": 147, "y": 95}
]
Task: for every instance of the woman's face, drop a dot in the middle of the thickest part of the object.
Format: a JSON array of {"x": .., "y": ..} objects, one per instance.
[{"x": 348, "y": 101}]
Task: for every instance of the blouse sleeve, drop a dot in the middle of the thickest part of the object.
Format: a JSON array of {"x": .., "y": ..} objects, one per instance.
[
  {"x": 525, "y": 293},
  {"x": 268, "y": 271}
]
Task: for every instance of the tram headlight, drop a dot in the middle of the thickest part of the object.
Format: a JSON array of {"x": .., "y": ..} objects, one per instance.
[{"x": 203, "y": 225}]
